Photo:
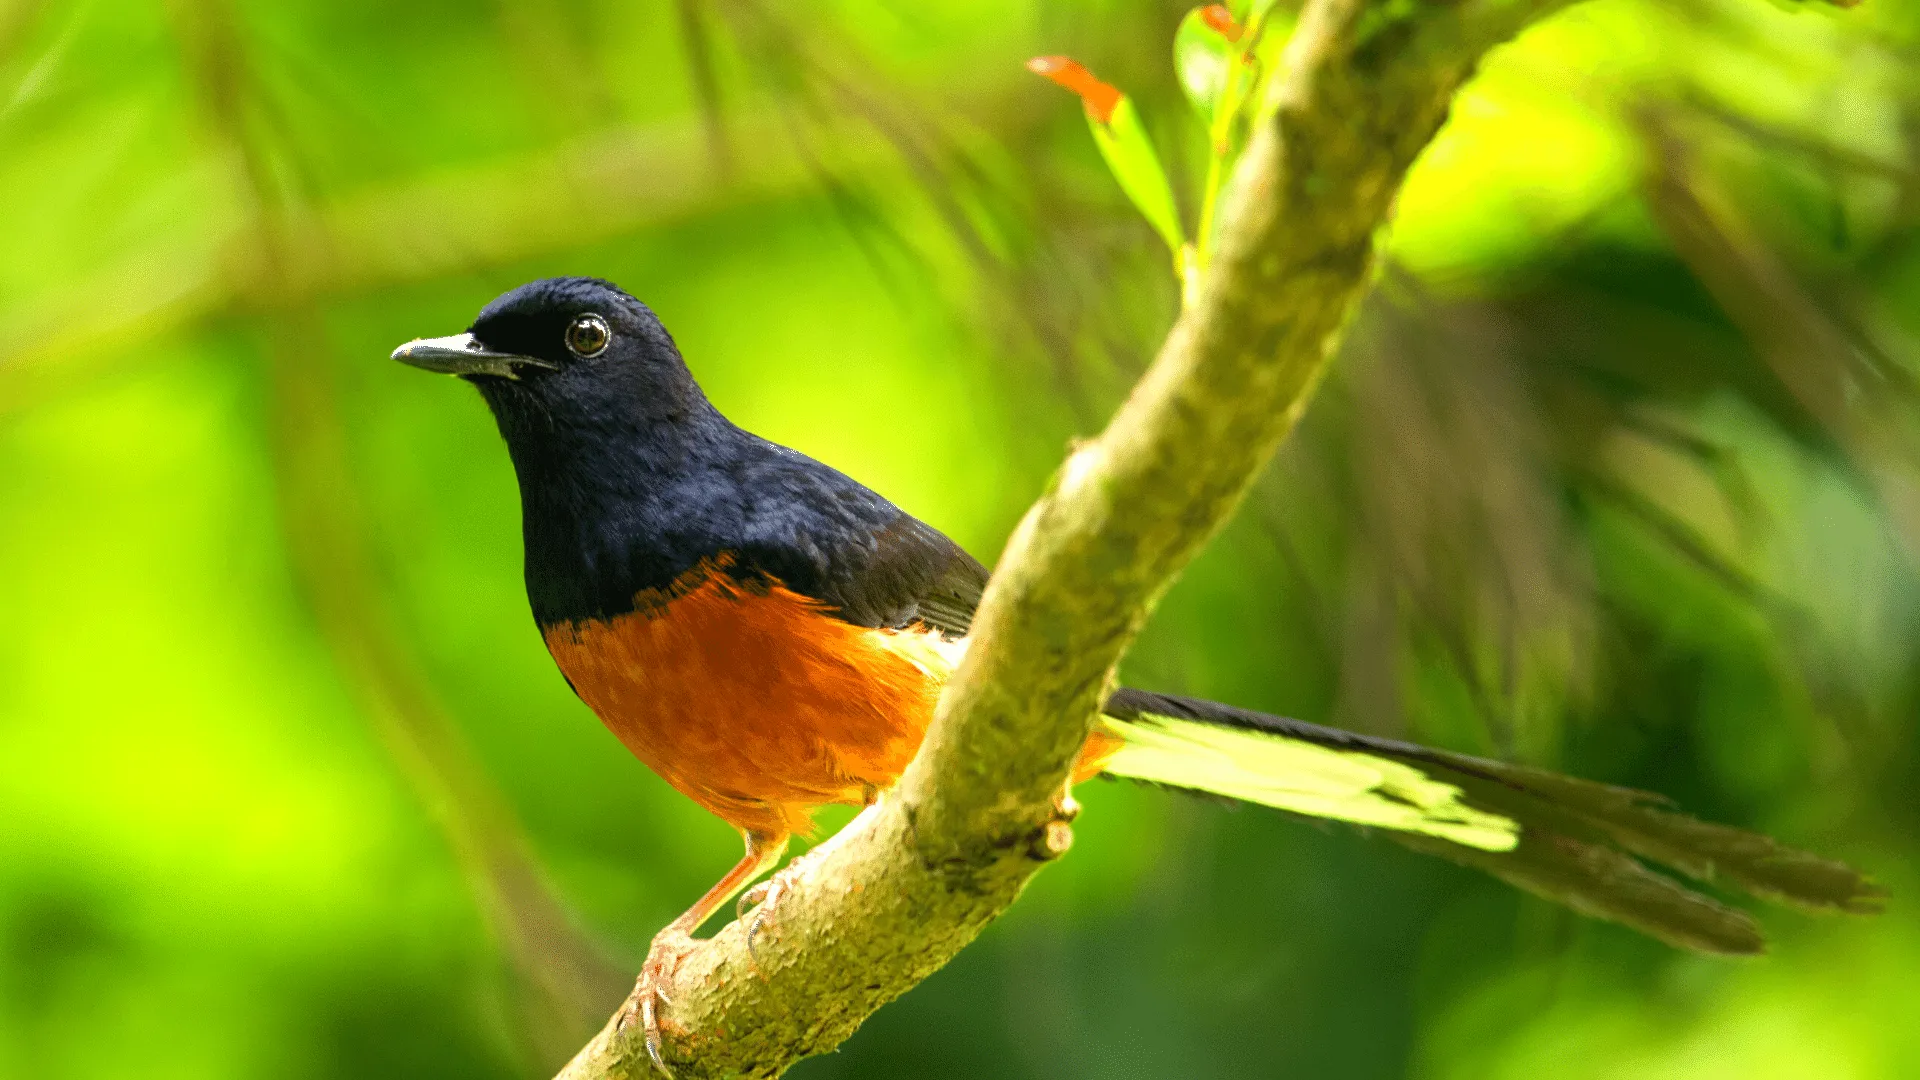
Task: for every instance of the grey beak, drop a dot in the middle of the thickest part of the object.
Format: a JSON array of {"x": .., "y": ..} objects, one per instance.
[{"x": 462, "y": 355}]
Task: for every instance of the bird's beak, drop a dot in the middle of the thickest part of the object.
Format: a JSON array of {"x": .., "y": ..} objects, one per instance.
[{"x": 462, "y": 355}]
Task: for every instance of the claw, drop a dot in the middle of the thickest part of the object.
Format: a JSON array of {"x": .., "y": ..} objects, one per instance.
[
  {"x": 751, "y": 899},
  {"x": 753, "y": 931},
  {"x": 650, "y": 993},
  {"x": 673, "y": 944},
  {"x": 653, "y": 1036},
  {"x": 769, "y": 892}
]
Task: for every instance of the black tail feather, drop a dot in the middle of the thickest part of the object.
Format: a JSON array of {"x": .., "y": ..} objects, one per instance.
[{"x": 1605, "y": 883}]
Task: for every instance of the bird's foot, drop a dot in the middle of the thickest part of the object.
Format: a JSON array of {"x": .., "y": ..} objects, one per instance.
[
  {"x": 646, "y": 1003},
  {"x": 762, "y": 899}
]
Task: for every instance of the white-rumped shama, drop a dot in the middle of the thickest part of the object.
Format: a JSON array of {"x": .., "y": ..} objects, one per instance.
[{"x": 770, "y": 636}]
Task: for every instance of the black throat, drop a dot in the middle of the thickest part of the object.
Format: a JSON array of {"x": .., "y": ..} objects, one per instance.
[{"x": 615, "y": 501}]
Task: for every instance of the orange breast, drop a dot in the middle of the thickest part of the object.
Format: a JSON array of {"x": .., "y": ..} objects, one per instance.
[
  {"x": 755, "y": 703},
  {"x": 758, "y": 704}
]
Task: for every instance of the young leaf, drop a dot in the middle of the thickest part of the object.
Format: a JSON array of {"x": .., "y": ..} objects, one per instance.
[
  {"x": 1099, "y": 98},
  {"x": 1123, "y": 142},
  {"x": 1130, "y": 155},
  {"x": 1204, "y": 48}
]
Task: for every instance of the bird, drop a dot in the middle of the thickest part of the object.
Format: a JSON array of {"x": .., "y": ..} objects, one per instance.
[{"x": 770, "y": 636}]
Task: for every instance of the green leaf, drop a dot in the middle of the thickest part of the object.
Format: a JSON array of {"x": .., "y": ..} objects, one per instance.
[
  {"x": 1202, "y": 55},
  {"x": 1123, "y": 143},
  {"x": 1130, "y": 155}
]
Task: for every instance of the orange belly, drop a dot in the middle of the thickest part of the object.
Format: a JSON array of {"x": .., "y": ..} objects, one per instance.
[{"x": 758, "y": 704}]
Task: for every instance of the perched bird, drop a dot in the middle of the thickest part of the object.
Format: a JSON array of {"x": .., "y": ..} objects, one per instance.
[{"x": 770, "y": 636}]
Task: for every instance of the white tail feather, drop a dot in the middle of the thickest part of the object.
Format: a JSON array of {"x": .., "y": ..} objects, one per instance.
[{"x": 1301, "y": 777}]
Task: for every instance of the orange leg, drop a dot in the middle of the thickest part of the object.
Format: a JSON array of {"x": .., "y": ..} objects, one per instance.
[{"x": 670, "y": 945}]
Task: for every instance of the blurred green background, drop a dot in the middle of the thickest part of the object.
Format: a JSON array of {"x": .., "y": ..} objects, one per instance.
[{"x": 1619, "y": 473}]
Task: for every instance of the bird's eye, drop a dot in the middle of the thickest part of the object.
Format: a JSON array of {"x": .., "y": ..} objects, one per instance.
[{"x": 588, "y": 335}]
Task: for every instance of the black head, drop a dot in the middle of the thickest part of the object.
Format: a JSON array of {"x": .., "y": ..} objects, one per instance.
[
  {"x": 609, "y": 436},
  {"x": 563, "y": 358},
  {"x": 629, "y": 479}
]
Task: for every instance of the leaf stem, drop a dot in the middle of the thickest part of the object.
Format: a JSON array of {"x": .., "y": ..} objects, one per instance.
[{"x": 1219, "y": 147}]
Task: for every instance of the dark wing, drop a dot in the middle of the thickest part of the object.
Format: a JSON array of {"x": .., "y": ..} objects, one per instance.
[
  {"x": 911, "y": 573},
  {"x": 824, "y": 535}
]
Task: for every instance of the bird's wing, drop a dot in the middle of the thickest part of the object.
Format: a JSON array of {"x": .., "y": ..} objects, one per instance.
[{"x": 827, "y": 536}]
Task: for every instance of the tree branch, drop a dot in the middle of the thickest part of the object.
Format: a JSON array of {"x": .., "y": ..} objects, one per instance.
[{"x": 916, "y": 877}]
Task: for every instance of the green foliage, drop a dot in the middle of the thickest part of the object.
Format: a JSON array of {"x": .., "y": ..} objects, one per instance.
[
  {"x": 1203, "y": 57},
  {"x": 1129, "y": 153},
  {"x": 1223, "y": 64},
  {"x": 1560, "y": 502}
]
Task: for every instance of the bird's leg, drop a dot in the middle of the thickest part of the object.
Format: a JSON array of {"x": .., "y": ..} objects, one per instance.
[
  {"x": 763, "y": 898},
  {"x": 672, "y": 944}
]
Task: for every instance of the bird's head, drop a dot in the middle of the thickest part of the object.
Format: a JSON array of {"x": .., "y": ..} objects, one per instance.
[{"x": 569, "y": 358}]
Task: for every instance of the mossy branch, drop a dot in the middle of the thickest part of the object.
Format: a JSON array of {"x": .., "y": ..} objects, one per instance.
[{"x": 916, "y": 877}]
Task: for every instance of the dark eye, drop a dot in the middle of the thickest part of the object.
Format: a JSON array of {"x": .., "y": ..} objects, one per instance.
[{"x": 588, "y": 335}]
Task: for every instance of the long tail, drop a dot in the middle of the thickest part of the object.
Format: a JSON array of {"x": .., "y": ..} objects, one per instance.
[{"x": 1573, "y": 841}]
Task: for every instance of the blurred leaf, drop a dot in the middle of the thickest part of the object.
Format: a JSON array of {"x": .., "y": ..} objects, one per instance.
[
  {"x": 1203, "y": 51},
  {"x": 1123, "y": 142}
]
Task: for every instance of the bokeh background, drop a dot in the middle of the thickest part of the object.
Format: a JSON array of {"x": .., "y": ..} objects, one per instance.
[{"x": 1620, "y": 473}]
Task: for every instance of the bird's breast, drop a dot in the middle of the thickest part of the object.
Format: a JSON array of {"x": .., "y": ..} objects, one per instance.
[{"x": 757, "y": 702}]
